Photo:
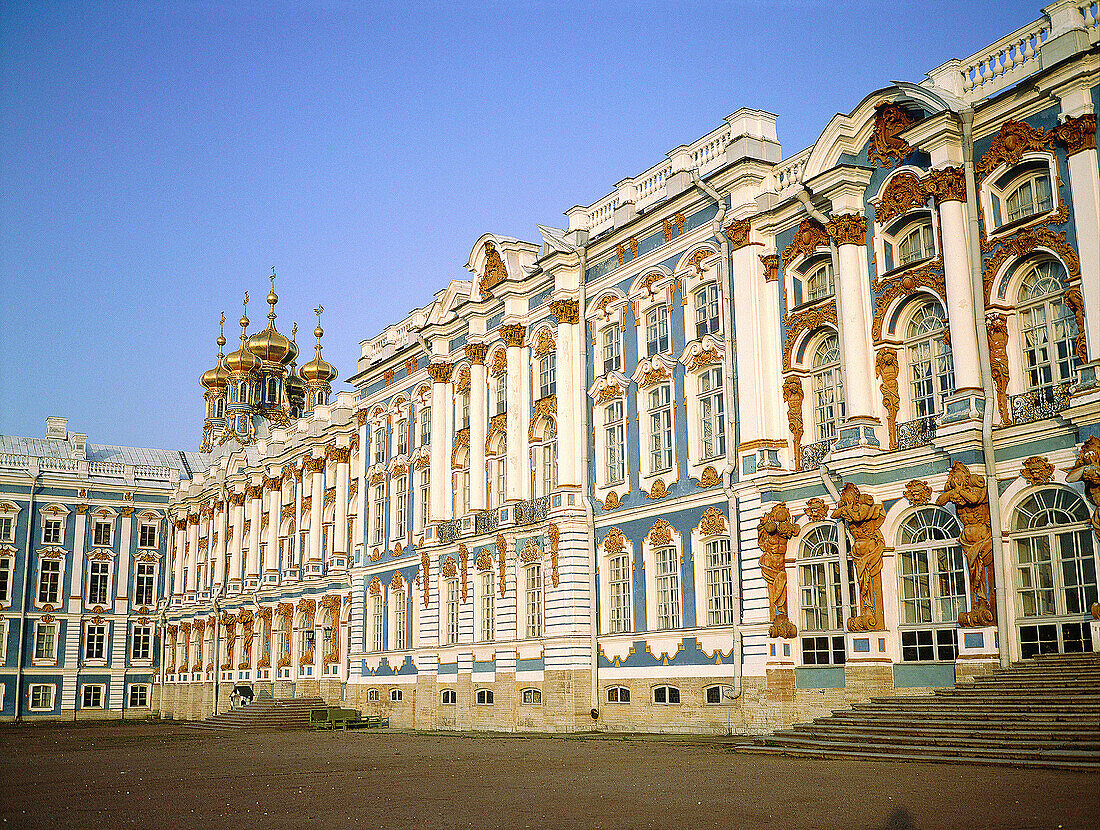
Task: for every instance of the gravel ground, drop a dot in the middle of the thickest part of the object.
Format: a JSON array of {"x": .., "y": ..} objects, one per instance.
[{"x": 164, "y": 775}]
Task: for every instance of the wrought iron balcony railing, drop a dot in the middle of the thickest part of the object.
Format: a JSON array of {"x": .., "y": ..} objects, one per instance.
[
  {"x": 812, "y": 454},
  {"x": 533, "y": 511},
  {"x": 916, "y": 433},
  {"x": 485, "y": 521},
  {"x": 1037, "y": 404}
]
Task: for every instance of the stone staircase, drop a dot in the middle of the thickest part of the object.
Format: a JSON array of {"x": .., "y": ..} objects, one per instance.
[
  {"x": 1043, "y": 712},
  {"x": 285, "y": 713}
]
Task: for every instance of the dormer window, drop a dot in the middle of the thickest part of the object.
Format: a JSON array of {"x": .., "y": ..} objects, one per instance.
[{"x": 1021, "y": 192}]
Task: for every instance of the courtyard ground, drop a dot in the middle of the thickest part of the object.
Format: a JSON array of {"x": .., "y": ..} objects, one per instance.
[{"x": 164, "y": 775}]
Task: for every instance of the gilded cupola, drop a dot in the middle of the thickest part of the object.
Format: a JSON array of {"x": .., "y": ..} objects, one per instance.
[
  {"x": 269, "y": 345},
  {"x": 243, "y": 361},
  {"x": 318, "y": 370},
  {"x": 215, "y": 379}
]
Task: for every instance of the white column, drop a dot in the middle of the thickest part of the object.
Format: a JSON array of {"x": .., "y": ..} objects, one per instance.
[
  {"x": 479, "y": 405},
  {"x": 361, "y": 476},
  {"x": 236, "y": 514},
  {"x": 518, "y": 485},
  {"x": 192, "y": 551},
  {"x": 274, "y": 489},
  {"x": 255, "y": 495},
  {"x": 341, "y": 456},
  {"x": 178, "y": 554},
  {"x": 747, "y": 324},
  {"x": 122, "y": 578},
  {"x": 440, "y": 453},
  {"x": 79, "y": 532},
  {"x": 316, "y": 468},
  {"x": 951, "y": 194},
  {"x": 1079, "y": 136},
  {"x": 853, "y": 315},
  {"x": 570, "y": 388},
  {"x": 220, "y": 525}
]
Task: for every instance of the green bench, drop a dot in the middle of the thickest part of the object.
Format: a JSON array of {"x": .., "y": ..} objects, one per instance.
[{"x": 333, "y": 717}]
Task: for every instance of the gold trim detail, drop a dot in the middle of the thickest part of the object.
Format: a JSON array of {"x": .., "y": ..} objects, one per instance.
[{"x": 886, "y": 148}]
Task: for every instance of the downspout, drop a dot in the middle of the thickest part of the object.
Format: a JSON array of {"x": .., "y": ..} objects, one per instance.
[
  {"x": 841, "y": 541},
  {"x": 24, "y": 640},
  {"x": 731, "y": 453},
  {"x": 989, "y": 457}
]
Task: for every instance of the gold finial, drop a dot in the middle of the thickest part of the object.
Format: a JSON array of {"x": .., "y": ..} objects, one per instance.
[
  {"x": 272, "y": 298},
  {"x": 244, "y": 317},
  {"x": 317, "y": 332},
  {"x": 294, "y": 333},
  {"x": 221, "y": 335}
]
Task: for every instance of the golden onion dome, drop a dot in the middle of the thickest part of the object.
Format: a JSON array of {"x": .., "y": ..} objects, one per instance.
[
  {"x": 243, "y": 361},
  {"x": 269, "y": 344},
  {"x": 318, "y": 370},
  {"x": 217, "y": 378},
  {"x": 295, "y": 386}
]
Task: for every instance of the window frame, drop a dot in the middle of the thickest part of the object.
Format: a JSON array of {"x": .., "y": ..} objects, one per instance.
[
  {"x": 670, "y": 694},
  {"x": 33, "y": 692},
  {"x": 617, "y": 695},
  {"x": 97, "y": 691}
]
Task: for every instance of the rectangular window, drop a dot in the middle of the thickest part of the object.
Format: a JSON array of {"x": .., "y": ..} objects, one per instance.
[
  {"x": 660, "y": 426},
  {"x": 548, "y": 375},
  {"x": 425, "y": 496},
  {"x": 464, "y": 414},
  {"x": 612, "y": 349},
  {"x": 706, "y": 310},
  {"x": 656, "y": 330},
  {"x": 401, "y": 488},
  {"x": 51, "y": 532},
  {"x": 614, "y": 434},
  {"x": 425, "y": 426},
  {"x": 378, "y": 642},
  {"x": 45, "y": 641},
  {"x": 534, "y": 601},
  {"x": 452, "y": 611},
  {"x": 379, "y": 446},
  {"x": 141, "y": 643},
  {"x": 402, "y": 437},
  {"x": 5, "y": 580},
  {"x": 712, "y": 414},
  {"x": 488, "y": 608},
  {"x": 49, "y": 582},
  {"x": 99, "y": 579},
  {"x": 91, "y": 696},
  {"x": 618, "y": 574},
  {"x": 139, "y": 695},
  {"x": 306, "y": 640},
  {"x": 101, "y": 534},
  {"x": 95, "y": 642},
  {"x": 42, "y": 696},
  {"x": 719, "y": 578},
  {"x": 668, "y": 588},
  {"x": 400, "y": 621},
  {"x": 7, "y": 529},
  {"x": 379, "y": 514},
  {"x": 147, "y": 535}
]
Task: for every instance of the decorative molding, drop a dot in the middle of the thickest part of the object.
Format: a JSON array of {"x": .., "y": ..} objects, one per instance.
[
  {"x": 948, "y": 184},
  {"x": 397, "y": 583},
  {"x": 339, "y": 455},
  {"x": 375, "y": 555},
  {"x": 449, "y": 568},
  {"x": 793, "y": 396},
  {"x": 610, "y": 392},
  {"x": 886, "y": 147},
  {"x": 440, "y": 372},
  {"x": 611, "y": 501},
  {"x": 425, "y": 565},
  {"x": 971, "y": 499},
  {"x": 816, "y": 510},
  {"x": 658, "y": 374},
  {"x": 375, "y": 586},
  {"x": 903, "y": 284},
  {"x": 904, "y": 192},
  {"x": 713, "y": 522},
  {"x": 500, "y": 363},
  {"x": 462, "y": 382},
  {"x": 476, "y": 353},
  {"x": 864, "y": 519},
  {"x": 660, "y": 534},
  {"x": 917, "y": 492},
  {"x": 658, "y": 490},
  {"x": 362, "y": 416},
  {"x": 81, "y": 509},
  {"x": 1075, "y": 303},
  {"x": 887, "y": 369},
  {"x": 848, "y": 229},
  {"x": 697, "y": 259},
  {"x": 463, "y": 557},
  {"x": 738, "y": 232},
  {"x": 495, "y": 272},
  {"x": 709, "y": 478},
  {"x": 704, "y": 357},
  {"x": 773, "y": 532},
  {"x": 565, "y": 311},
  {"x": 771, "y": 267},
  {"x": 555, "y": 536},
  {"x": 1037, "y": 470},
  {"x": 314, "y": 464},
  {"x": 1077, "y": 134},
  {"x": 809, "y": 319},
  {"x": 287, "y": 512},
  {"x": 1025, "y": 241},
  {"x": 810, "y": 236},
  {"x": 1013, "y": 140},
  {"x": 502, "y": 548},
  {"x": 544, "y": 344},
  {"x": 614, "y": 542},
  {"x": 544, "y": 408},
  {"x": 531, "y": 552},
  {"x": 484, "y": 561},
  {"x": 996, "y": 326}
]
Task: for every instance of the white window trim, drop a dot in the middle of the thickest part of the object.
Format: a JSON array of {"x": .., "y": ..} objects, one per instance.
[
  {"x": 693, "y": 382},
  {"x": 649, "y": 561},
  {"x": 699, "y": 542},
  {"x": 479, "y": 598},
  {"x": 10, "y": 553},
  {"x": 904, "y": 223},
  {"x": 988, "y": 192},
  {"x": 53, "y": 512},
  {"x": 60, "y": 577},
  {"x": 109, "y": 601},
  {"x": 102, "y": 695},
  {"x": 10, "y": 510},
  {"x": 622, "y": 382},
  {"x": 129, "y": 696},
  {"x": 646, "y": 475},
  {"x": 660, "y": 292},
  {"x": 30, "y": 696},
  {"x": 96, "y": 661},
  {"x": 605, "y": 586}
]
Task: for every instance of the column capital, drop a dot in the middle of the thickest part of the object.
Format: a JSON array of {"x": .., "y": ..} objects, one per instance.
[
  {"x": 947, "y": 184},
  {"x": 565, "y": 311},
  {"x": 440, "y": 372},
  {"x": 255, "y": 491},
  {"x": 476, "y": 352},
  {"x": 771, "y": 267},
  {"x": 738, "y": 232},
  {"x": 848, "y": 229},
  {"x": 1077, "y": 134},
  {"x": 513, "y": 335}
]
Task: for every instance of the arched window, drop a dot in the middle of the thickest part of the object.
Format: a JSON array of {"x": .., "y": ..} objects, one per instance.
[
  {"x": 1055, "y": 572},
  {"x": 272, "y": 390},
  {"x": 463, "y": 404},
  {"x": 545, "y": 457},
  {"x": 822, "y": 596},
  {"x": 219, "y": 408},
  {"x": 931, "y": 372},
  {"x": 500, "y": 400},
  {"x": 497, "y": 463},
  {"x": 909, "y": 240},
  {"x": 819, "y": 281},
  {"x": 1048, "y": 328},
  {"x": 932, "y": 578},
  {"x": 1021, "y": 192},
  {"x": 828, "y": 388},
  {"x": 706, "y": 310}
]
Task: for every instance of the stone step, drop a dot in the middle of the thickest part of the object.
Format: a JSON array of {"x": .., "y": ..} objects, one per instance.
[
  {"x": 973, "y": 703},
  {"x": 874, "y": 719},
  {"x": 910, "y": 748},
  {"x": 1041, "y": 731},
  {"x": 1026, "y": 690},
  {"x": 1074, "y": 762},
  {"x": 1007, "y": 741}
]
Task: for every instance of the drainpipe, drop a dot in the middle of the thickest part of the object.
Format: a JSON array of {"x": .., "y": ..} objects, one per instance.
[
  {"x": 989, "y": 457},
  {"x": 841, "y": 540},
  {"x": 32, "y": 473},
  {"x": 731, "y": 453},
  {"x": 217, "y": 659},
  {"x": 162, "y": 619}
]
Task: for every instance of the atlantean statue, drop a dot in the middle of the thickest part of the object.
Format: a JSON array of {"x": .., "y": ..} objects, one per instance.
[
  {"x": 773, "y": 532},
  {"x": 864, "y": 519},
  {"x": 1087, "y": 469},
  {"x": 971, "y": 499}
]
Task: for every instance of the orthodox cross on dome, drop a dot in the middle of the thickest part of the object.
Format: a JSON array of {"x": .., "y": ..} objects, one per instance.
[
  {"x": 244, "y": 317},
  {"x": 221, "y": 335},
  {"x": 272, "y": 298},
  {"x": 317, "y": 332}
]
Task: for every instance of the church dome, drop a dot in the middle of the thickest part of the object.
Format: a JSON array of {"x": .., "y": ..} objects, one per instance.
[
  {"x": 216, "y": 379},
  {"x": 269, "y": 345}
]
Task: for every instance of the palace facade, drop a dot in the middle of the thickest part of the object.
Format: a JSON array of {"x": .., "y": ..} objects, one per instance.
[{"x": 756, "y": 436}]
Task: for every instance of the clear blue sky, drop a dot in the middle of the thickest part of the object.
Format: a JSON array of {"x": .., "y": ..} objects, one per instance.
[{"x": 157, "y": 159}]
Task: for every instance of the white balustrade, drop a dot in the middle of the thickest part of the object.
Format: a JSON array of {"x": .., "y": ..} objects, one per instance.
[{"x": 1006, "y": 62}]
